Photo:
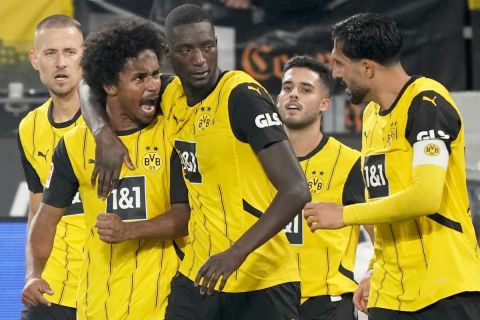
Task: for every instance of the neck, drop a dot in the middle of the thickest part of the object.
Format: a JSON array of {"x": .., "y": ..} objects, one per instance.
[
  {"x": 389, "y": 85},
  {"x": 195, "y": 95},
  {"x": 119, "y": 121},
  {"x": 65, "y": 108},
  {"x": 304, "y": 140}
]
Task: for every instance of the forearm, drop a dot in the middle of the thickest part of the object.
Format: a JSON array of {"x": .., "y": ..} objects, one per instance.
[
  {"x": 170, "y": 225},
  {"x": 423, "y": 197},
  {"x": 39, "y": 244},
  {"x": 282, "y": 210},
  {"x": 93, "y": 113}
]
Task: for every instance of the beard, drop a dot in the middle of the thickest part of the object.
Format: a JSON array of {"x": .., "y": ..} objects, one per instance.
[
  {"x": 62, "y": 92},
  {"x": 358, "y": 94},
  {"x": 298, "y": 124}
]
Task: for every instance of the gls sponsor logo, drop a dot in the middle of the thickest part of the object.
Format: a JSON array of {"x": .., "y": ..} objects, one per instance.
[
  {"x": 267, "y": 120},
  {"x": 430, "y": 134}
]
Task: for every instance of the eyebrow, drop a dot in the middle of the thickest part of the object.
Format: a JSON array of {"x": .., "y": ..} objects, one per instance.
[{"x": 301, "y": 82}]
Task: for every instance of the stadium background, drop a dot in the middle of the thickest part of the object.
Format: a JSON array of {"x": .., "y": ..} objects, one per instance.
[{"x": 442, "y": 40}]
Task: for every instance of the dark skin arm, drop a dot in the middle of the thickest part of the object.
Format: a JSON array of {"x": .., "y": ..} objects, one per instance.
[
  {"x": 110, "y": 153},
  {"x": 39, "y": 246},
  {"x": 171, "y": 225},
  {"x": 283, "y": 170}
]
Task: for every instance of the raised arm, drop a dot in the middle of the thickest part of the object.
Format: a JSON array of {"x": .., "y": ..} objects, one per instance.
[{"x": 110, "y": 153}]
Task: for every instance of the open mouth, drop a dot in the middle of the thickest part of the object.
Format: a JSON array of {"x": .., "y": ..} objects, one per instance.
[
  {"x": 200, "y": 74},
  {"x": 148, "y": 105},
  {"x": 292, "y": 106},
  {"x": 61, "y": 77}
]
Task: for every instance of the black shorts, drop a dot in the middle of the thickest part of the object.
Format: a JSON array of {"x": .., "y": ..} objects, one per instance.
[
  {"x": 462, "y": 306},
  {"x": 281, "y": 302},
  {"x": 44, "y": 312},
  {"x": 323, "y": 308}
]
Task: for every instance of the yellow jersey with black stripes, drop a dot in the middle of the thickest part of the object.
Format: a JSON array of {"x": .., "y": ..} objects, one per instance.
[
  {"x": 217, "y": 140},
  {"x": 129, "y": 279},
  {"x": 419, "y": 261},
  {"x": 38, "y": 135},
  {"x": 326, "y": 258}
]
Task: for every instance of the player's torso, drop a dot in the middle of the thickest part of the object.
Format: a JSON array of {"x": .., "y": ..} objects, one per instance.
[
  {"x": 39, "y": 135},
  {"x": 132, "y": 277},
  {"x": 228, "y": 190},
  {"x": 411, "y": 269},
  {"x": 326, "y": 257}
]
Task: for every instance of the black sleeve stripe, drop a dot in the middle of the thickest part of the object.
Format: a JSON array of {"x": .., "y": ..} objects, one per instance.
[
  {"x": 251, "y": 209},
  {"x": 354, "y": 188},
  {"x": 31, "y": 176},
  {"x": 446, "y": 222},
  {"x": 431, "y": 116},
  {"x": 347, "y": 273},
  {"x": 63, "y": 183},
  {"x": 178, "y": 189}
]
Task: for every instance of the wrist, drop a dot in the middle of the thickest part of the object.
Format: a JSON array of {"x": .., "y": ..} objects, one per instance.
[{"x": 100, "y": 129}]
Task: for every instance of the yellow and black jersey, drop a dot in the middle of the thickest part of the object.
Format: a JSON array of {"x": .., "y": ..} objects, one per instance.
[
  {"x": 38, "y": 135},
  {"x": 326, "y": 258},
  {"x": 130, "y": 279},
  {"x": 419, "y": 261},
  {"x": 217, "y": 140}
]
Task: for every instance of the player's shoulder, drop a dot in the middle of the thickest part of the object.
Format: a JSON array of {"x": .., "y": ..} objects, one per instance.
[
  {"x": 40, "y": 113},
  {"x": 347, "y": 151},
  {"x": 81, "y": 131},
  {"x": 429, "y": 92},
  {"x": 241, "y": 85}
]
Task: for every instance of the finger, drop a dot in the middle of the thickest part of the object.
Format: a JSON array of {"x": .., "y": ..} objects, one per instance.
[
  {"x": 39, "y": 298},
  {"x": 310, "y": 205},
  {"x": 224, "y": 280},
  {"x": 100, "y": 182},
  {"x": 26, "y": 299},
  {"x": 213, "y": 283},
  {"x": 107, "y": 183},
  {"x": 128, "y": 162},
  {"x": 201, "y": 273},
  {"x": 93, "y": 179},
  {"x": 45, "y": 288},
  {"x": 115, "y": 176},
  {"x": 315, "y": 227}
]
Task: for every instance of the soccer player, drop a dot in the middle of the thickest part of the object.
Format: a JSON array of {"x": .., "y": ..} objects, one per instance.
[
  {"x": 244, "y": 184},
  {"x": 427, "y": 261},
  {"x": 56, "y": 55},
  {"x": 326, "y": 258},
  {"x": 129, "y": 278}
]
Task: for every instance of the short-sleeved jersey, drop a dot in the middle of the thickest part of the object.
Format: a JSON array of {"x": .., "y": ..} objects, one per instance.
[
  {"x": 38, "y": 135},
  {"x": 128, "y": 280},
  {"x": 326, "y": 258},
  {"x": 217, "y": 140},
  {"x": 419, "y": 261}
]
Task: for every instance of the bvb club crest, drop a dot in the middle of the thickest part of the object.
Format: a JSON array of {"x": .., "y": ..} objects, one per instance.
[
  {"x": 315, "y": 182},
  {"x": 151, "y": 160},
  {"x": 203, "y": 119}
]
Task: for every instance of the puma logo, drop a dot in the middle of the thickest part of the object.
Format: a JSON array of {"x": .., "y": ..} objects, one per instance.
[
  {"x": 425, "y": 98},
  {"x": 91, "y": 161},
  {"x": 43, "y": 155},
  {"x": 254, "y": 89}
]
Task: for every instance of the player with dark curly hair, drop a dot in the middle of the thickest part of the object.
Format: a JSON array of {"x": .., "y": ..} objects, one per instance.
[{"x": 129, "y": 255}]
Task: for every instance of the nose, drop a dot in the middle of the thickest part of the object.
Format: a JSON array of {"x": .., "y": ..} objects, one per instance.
[
  {"x": 198, "y": 58},
  {"x": 152, "y": 83},
  {"x": 336, "y": 72},
  {"x": 293, "y": 94},
  {"x": 60, "y": 61}
]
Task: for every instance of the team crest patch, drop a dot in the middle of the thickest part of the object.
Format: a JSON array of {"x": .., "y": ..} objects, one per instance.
[
  {"x": 151, "y": 160},
  {"x": 203, "y": 119},
  {"x": 315, "y": 182},
  {"x": 432, "y": 150}
]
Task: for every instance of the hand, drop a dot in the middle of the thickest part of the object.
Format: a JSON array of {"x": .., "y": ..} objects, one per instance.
[
  {"x": 323, "y": 215},
  {"x": 110, "y": 154},
  {"x": 111, "y": 228},
  {"x": 360, "y": 297},
  {"x": 32, "y": 293},
  {"x": 221, "y": 265}
]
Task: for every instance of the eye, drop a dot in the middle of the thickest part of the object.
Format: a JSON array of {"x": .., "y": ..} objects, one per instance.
[{"x": 287, "y": 88}]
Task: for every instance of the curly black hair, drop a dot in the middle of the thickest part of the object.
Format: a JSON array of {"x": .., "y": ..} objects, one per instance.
[{"x": 108, "y": 49}]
